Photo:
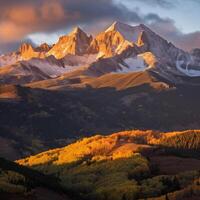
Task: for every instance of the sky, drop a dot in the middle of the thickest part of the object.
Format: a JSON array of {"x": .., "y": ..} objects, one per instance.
[{"x": 38, "y": 21}]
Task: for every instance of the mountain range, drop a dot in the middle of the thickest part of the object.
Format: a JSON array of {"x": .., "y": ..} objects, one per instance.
[
  {"x": 123, "y": 78},
  {"x": 121, "y": 48}
]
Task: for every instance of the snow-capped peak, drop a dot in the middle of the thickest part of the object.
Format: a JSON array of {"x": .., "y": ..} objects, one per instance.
[
  {"x": 130, "y": 33},
  {"x": 117, "y": 26}
]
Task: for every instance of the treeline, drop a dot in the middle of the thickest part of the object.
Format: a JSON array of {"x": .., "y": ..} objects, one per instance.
[
  {"x": 15, "y": 178},
  {"x": 183, "y": 140},
  {"x": 36, "y": 178},
  {"x": 190, "y": 192}
]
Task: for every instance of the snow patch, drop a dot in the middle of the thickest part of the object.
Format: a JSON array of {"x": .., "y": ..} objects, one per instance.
[
  {"x": 50, "y": 69},
  {"x": 134, "y": 64},
  {"x": 130, "y": 33}
]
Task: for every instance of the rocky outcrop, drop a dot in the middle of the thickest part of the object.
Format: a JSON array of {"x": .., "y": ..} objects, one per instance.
[{"x": 76, "y": 43}]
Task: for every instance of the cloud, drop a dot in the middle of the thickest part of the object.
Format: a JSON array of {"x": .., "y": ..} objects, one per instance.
[
  {"x": 188, "y": 41},
  {"x": 167, "y": 29},
  {"x": 19, "y": 18},
  {"x": 161, "y": 3},
  {"x": 13, "y": 46}
]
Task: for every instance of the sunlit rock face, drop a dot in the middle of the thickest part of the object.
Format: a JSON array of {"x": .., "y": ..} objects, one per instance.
[
  {"x": 76, "y": 43},
  {"x": 115, "y": 40},
  {"x": 27, "y": 52}
]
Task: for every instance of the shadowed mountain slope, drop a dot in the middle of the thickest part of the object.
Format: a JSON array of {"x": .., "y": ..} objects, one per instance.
[
  {"x": 37, "y": 117},
  {"x": 20, "y": 183}
]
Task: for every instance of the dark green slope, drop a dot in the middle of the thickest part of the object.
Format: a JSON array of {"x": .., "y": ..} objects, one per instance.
[{"x": 19, "y": 182}]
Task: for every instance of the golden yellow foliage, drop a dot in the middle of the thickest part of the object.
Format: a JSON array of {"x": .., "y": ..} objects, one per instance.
[
  {"x": 119, "y": 145},
  {"x": 108, "y": 167}
]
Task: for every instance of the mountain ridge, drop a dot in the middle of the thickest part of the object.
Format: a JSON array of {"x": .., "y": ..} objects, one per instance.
[{"x": 120, "y": 48}]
